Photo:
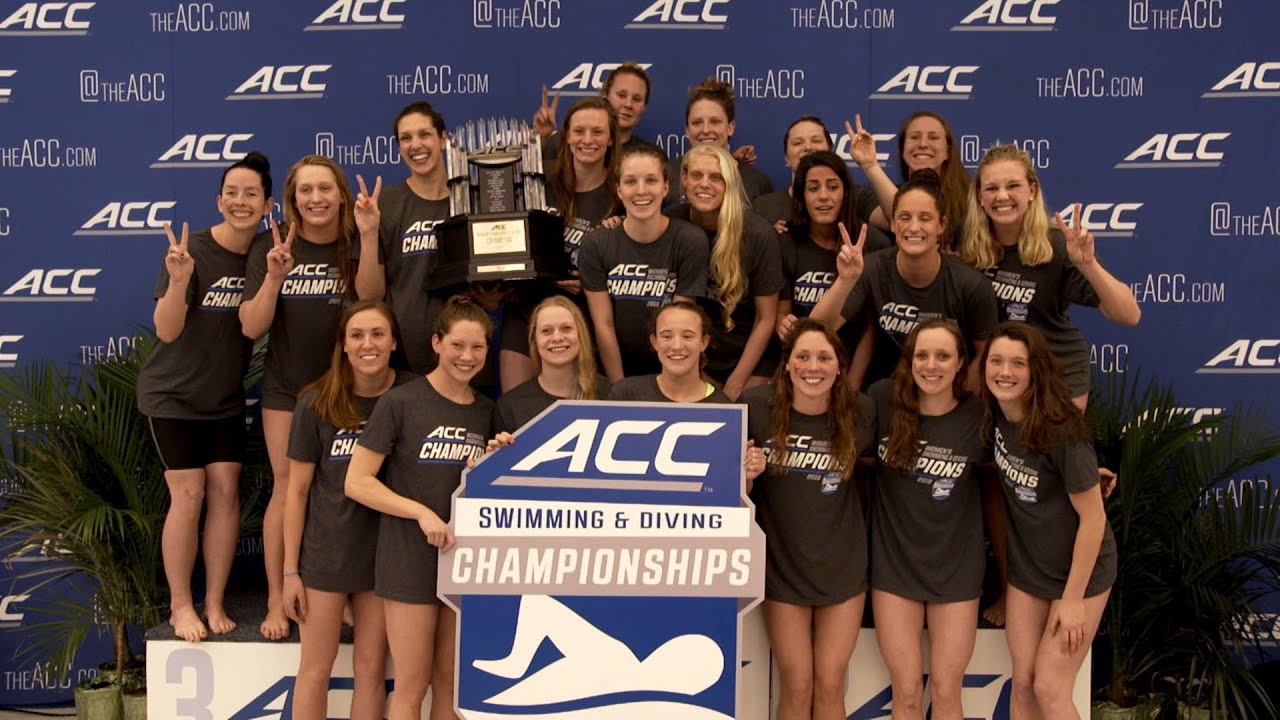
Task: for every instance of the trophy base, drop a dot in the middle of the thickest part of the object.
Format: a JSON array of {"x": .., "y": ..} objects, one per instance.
[{"x": 499, "y": 246}]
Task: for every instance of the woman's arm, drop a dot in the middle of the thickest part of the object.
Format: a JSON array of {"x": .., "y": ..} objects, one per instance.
[
  {"x": 363, "y": 486},
  {"x": 757, "y": 341},
  {"x": 601, "y": 308}
]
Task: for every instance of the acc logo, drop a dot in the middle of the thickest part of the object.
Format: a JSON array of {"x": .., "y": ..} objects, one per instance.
[
  {"x": 1245, "y": 357},
  {"x": 1170, "y": 150},
  {"x": 52, "y": 285},
  {"x": 213, "y": 150},
  {"x": 587, "y": 78},
  {"x": 10, "y": 616},
  {"x": 1010, "y": 15},
  {"x": 840, "y": 144},
  {"x": 55, "y": 18},
  {"x": 9, "y": 359},
  {"x": 359, "y": 15},
  {"x": 681, "y": 15},
  {"x": 5, "y": 92},
  {"x": 128, "y": 218},
  {"x": 1104, "y": 219},
  {"x": 284, "y": 82},
  {"x": 1249, "y": 80},
  {"x": 934, "y": 82}
]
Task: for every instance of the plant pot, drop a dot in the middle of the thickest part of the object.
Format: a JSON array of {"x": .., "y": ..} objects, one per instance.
[
  {"x": 1148, "y": 709},
  {"x": 1189, "y": 712},
  {"x": 98, "y": 703},
  {"x": 135, "y": 706}
]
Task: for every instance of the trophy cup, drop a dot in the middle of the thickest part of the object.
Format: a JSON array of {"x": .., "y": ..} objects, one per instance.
[{"x": 499, "y": 227}]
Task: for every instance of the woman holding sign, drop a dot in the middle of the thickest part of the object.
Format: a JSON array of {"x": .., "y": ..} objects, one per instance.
[
  {"x": 812, "y": 426},
  {"x": 296, "y": 288},
  {"x": 191, "y": 388}
]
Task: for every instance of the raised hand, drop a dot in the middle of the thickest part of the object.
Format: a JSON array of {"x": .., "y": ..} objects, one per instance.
[
  {"x": 368, "y": 216},
  {"x": 280, "y": 256},
  {"x": 178, "y": 261},
  {"x": 544, "y": 121},
  {"x": 849, "y": 260},
  {"x": 1079, "y": 240},
  {"x": 746, "y": 154},
  {"x": 862, "y": 146}
]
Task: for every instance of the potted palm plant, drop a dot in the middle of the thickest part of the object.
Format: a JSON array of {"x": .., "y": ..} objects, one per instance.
[
  {"x": 1191, "y": 568},
  {"x": 86, "y": 483}
]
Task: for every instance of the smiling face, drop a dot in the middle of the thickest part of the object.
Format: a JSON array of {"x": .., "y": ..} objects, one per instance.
[
  {"x": 935, "y": 362},
  {"x": 588, "y": 136},
  {"x": 242, "y": 201},
  {"x": 917, "y": 221},
  {"x": 704, "y": 184},
  {"x": 1008, "y": 370},
  {"x": 641, "y": 185},
  {"x": 708, "y": 124},
  {"x": 462, "y": 350},
  {"x": 629, "y": 97},
  {"x": 925, "y": 144},
  {"x": 679, "y": 339},
  {"x": 803, "y": 138},
  {"x": 420, "y": 143},
  {"x": 317, "y": 197},
  {"x": 1005, "y": 192},
  {"x": 556, "y": 335},
  {"x": 813, "y": 366},
  {"x": 368, "y": 342},
  {"x": 823, "y": 195}
]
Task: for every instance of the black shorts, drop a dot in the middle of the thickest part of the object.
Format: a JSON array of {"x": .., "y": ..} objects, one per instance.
[{"x": 193, "y": 444}]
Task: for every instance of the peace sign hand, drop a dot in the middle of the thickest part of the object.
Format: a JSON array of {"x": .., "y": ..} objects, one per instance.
[
  {"x": 849, "y": 260},
  {"x": 862, "y": 146},
  {"x": 544, "y": 121},
  {"x": 368, "y": 216},
  {"x": 1079, "y": 240},
  {"x": 279, "y": 257},
  {"x": 178, "y": 261}
]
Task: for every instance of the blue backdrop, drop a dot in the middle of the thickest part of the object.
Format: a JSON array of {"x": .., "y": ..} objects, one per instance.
[{"x": 1159, "y": 115}]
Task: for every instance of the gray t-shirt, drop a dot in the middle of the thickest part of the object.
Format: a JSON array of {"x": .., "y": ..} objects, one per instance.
[
  {"x": 427, "y": 440},
  {"x": 523, "y": 402},
  {"x": 200, "y": 375},
  {"x": 1041, "y": 296},
  {"x": 642, "y": 277},
  {"x": 308, "y": 311},
  {"x": 407, "y": 246},
  {"x": 644, "y": 388},
  {"x": 761, "y": 266},
  {"x": 815, "y": 536},
  {"x": 590, "y": 208},
  {"x": 340, "y": 538},
  {"x": 926, "y": 523},
  {"x": 1042, "y": 520},
  {"x": 958, "y": 293}
]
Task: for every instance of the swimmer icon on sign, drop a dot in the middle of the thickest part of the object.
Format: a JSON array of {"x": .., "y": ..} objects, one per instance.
[{"x": 603, "y": 565}]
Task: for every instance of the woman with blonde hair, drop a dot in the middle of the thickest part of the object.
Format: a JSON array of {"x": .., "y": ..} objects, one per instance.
[{"x": 746, "y": 268}]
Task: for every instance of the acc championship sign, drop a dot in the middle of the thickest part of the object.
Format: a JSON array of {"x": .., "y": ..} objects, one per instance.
[{"x": 603, "y": 565}]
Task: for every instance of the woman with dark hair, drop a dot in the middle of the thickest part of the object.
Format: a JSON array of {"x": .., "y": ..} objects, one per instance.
[
  {"x": 806, "y": 134},
  {"x": 742, "y": 292},
  {"x": 926, "y": 520},
  {"x": 1062, "y": 556},
  {"x": 191, "y": 388},
  {"x": 709, "y": 120},
  {"x": 425, "y": 431},
  {"x": 812, "y": 426},
  {"x": 322, "y": 575},
  {"x": 582, "y": 179},
  {"x": 925, "y": 141},
  {"x": 680, "y": 335},
  {"x": 296, "y": 288},
  {"x": 632, "y": 270},
  {"x": 909, "y": 283},
  {"x": 565, "y": 360},
  {"x": 397, "y": 260}
]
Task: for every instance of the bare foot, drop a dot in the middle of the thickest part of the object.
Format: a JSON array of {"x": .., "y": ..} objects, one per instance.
[
  {"x": 219, "y": 622},
  {"x": 995, "y": 613},
  {"x": 348, "y": 615},
  {"x": 186, "y": 624},
  {"x": 276, "y": 625}
]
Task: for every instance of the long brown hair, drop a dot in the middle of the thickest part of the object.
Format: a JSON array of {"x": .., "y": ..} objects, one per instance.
[
  {"x": 955, "y": 181},
  {"x": 563, "y": 178},
  {"x": 460, "y": 308},
  {"x": 347, "y": 235},
  {"x": 904, "y": 402},
  {"x": 335, "y": 395},
  {"x": 1048, "y": 415},
  {"x": 842, "y": 409},
  {"x": 587, "y": 370},
  {"x": 848, "y": 204}
]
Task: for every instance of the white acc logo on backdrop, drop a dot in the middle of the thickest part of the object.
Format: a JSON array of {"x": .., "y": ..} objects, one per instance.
[
  {"x": 840, "y": 145},
  {"x": 1225, "y": 221},
  {"x": 775, "y": 83},
  {"x": 1010, "y": 15},
  {"x": 128, "y": 218},
  {"x": 367, "y": 150},
  {"x": 359, "y": 15},
  {"x": 52, "y": 285},
  {"x": 50, "y": 18},
  {"x": 1245, "y": 357},
  {"x": 1251, "y": 79},
  {"x": 587, "y": 79},
  {"x": 1176, "y": 150},
  {"x": 681, "y": 15},
  {"x": 5, "y": 92},
  {"x": 1175, "y": 14},
  {"x": 928, "y": 82},
  {"x": 283, "y": 82},
  {"x": 1104, "y": 219},
  {"x": 9, "y": 359},
  {"x": 210, "y": 150},
  {"x": 133, "y": 88}
]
